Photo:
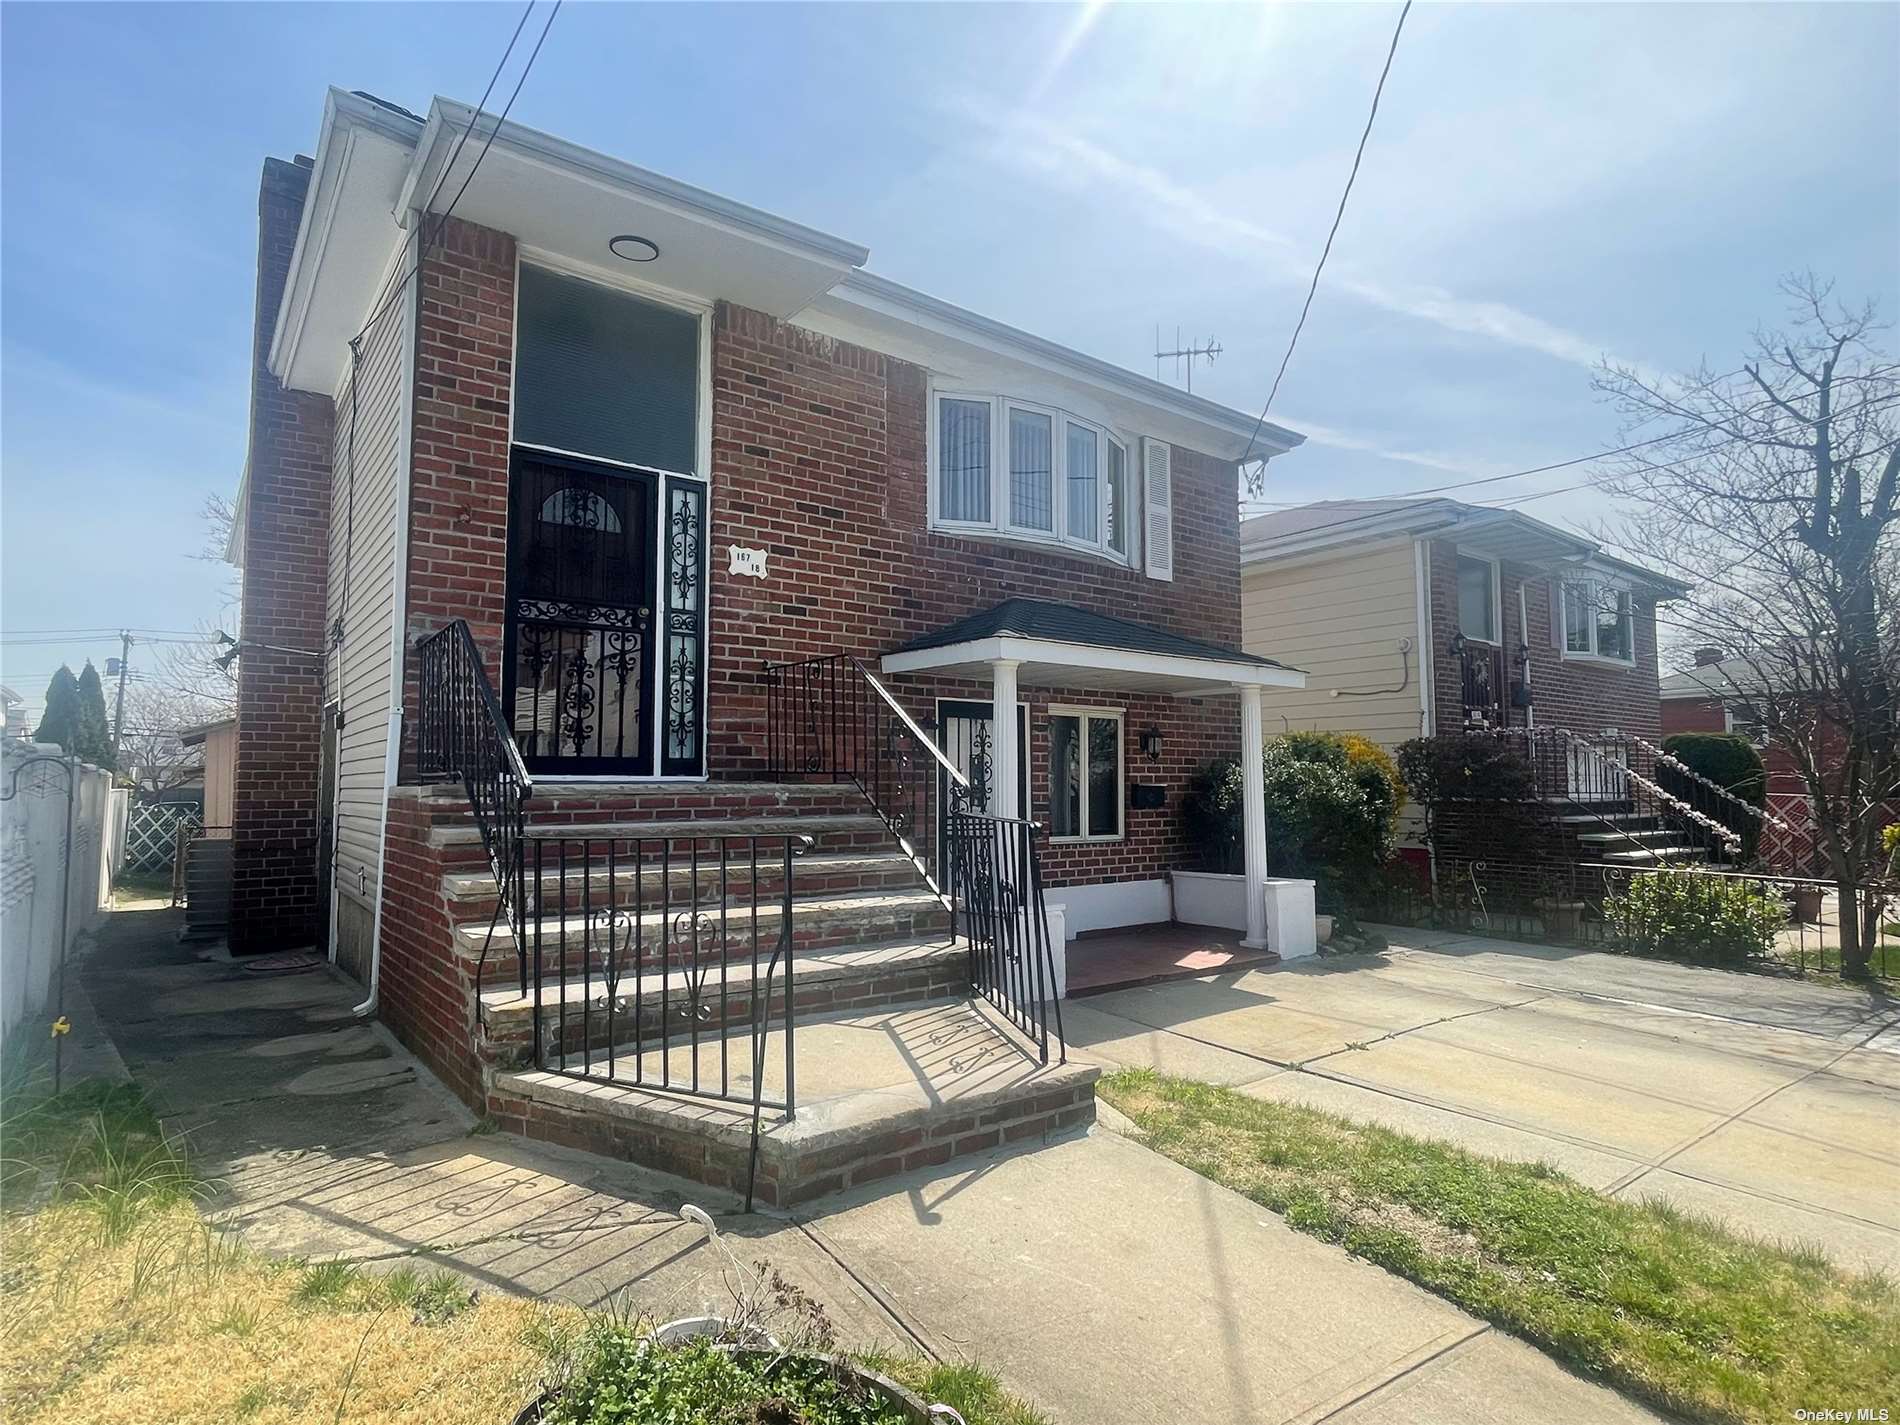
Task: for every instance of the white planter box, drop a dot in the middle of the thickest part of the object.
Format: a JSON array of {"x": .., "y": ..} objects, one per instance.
[{"x": 1215, "y": 898}]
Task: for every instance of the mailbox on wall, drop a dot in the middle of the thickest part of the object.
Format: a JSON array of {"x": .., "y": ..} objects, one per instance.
[{"x": 1147, "y": 796}]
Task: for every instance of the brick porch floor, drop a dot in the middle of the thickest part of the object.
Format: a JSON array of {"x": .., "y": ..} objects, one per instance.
[{"x": 1143, "y": 954}]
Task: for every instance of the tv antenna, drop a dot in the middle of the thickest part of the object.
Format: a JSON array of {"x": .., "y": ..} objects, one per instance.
[{"x": 1181, "y": 353}]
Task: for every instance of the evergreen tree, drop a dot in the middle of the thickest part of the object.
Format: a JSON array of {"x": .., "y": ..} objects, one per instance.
[
  {"x": 60, "y": 723},
  {"x": 95, "y": 731}
]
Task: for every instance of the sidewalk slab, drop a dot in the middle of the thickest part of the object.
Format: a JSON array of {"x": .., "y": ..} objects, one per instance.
[{"x": 1109, "y": 1283}]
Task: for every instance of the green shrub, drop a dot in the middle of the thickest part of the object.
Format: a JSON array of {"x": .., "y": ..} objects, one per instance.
[
  {"x": 1729, "y": 761},
  {"x": 1464, "y": 766},
  {"x": 622, "y": 1378},
  {"x": 1693, "y": 913},
  {"x": 1330, "y": 815}
]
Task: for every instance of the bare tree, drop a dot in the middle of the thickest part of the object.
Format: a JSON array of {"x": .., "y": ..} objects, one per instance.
[
  {"x": 1772, "y": 488},
  {"x": 151, "y": 748}
]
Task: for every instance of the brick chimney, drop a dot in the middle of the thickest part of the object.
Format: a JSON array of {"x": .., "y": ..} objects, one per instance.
[
  {"x": 1707, "y": 656},
  {"x": 274, "y": 817}
]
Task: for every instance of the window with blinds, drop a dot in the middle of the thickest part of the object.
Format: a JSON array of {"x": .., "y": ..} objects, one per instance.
[{"x": 1019, "y": 469}]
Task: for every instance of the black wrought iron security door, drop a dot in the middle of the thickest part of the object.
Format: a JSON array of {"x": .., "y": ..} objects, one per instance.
[
  {"x": 966, "y": 732},
  {"x": 582, "y": 569}
]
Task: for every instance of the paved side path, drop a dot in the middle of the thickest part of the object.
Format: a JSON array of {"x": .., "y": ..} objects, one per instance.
[
  {"x": 1772, "y": 1104},
  {"x": 1097, "y": 1278}
]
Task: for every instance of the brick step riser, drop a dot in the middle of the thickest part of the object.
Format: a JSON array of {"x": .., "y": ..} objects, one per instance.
[
  {"x": 508, "y": 1037},
  {"x": 470, "y": 856},
  {"x": 898, "y": 876},
  {"x": 1034, "y": 1117},
  {"x": 550, "y": 811},
  {"x": 923, "y": 926}
]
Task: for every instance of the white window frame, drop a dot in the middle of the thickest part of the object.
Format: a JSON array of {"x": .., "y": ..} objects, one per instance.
[
  {"x": 1496, "y": 640},
  {"x": 1000, "y": 524},
  {"x": 1560, "y": 626},
  {"x": 1118, "y": 717}
]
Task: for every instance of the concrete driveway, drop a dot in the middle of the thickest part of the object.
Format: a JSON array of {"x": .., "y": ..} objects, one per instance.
[{"x": 1771, "y": 1104}]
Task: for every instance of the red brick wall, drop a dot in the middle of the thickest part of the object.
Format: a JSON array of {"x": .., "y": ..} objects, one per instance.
[
  {"x": 458, "y": 512},
  {"x": 819, "y": 458},
  {"x": 286, "y": 562},
  {"x": 1693, "y": 715},
  {"x": 1584, "y": 697}
]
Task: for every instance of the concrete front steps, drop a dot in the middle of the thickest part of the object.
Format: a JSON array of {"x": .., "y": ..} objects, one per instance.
[
  {"x": 896, "y": 1065},
  {"x": 1625, "y": 838},
  {"x": 879, "y": 1092}
]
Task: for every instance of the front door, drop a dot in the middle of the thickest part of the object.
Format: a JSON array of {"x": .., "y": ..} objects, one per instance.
[
  {"x": 582, "y": 572},
  {"x": 966, "y": 733}
]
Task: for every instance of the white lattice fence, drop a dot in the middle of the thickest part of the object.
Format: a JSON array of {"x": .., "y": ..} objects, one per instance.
[{"x": 152, "y": 831}]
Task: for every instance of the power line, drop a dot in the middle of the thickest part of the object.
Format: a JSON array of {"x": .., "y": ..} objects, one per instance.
[
  {"x": 1872, "y": 401},
  {"x": 387, "y": 295},
  {"x": 1320, "y": 267},
  {"x": 428, "y": 238}
]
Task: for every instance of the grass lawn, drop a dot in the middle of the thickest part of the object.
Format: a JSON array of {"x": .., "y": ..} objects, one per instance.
[
  {"x": 120, "y": 1305},
  {"x": 1666, "y": 1306}
]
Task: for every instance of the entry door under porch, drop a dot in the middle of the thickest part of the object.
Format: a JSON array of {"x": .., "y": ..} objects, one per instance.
[
  {"x": 966, "y": 733},
  {"x": 605, "y": 605}
]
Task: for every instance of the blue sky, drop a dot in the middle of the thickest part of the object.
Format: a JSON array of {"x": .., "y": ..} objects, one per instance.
[{"x": 1546, "y": 183}]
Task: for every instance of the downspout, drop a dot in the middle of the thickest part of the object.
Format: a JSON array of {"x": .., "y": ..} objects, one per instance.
[
  {"x": 399, "y": 619},
  {"x": 1427, "y": 650},
  {"x": 1524, "y": 637}
]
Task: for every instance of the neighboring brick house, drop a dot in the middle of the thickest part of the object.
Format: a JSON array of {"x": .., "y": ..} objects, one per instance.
[
  {"x": 665, "y": 455},
  {"x": 1415, "y": 616}
]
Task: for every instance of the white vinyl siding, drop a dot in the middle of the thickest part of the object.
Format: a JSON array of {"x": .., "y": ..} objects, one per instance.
[{"x": 363, "y": 525}]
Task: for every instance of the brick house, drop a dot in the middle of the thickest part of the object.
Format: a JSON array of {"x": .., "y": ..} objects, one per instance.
[
  {"x": 1416, "y": 616},
  {"x": 610, "y": 518}
]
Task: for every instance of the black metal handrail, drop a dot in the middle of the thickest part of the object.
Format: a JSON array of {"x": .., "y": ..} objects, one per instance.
[
  {"x": 462, "y": 732},
  {"x": 1703, "y": 794},
  {"x": 831, "y": 717},
  {"x": 996, "y": 874},
  {"x": 1601, "y": 778}
]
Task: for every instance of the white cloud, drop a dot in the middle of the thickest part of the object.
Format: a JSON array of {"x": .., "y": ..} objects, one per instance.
[{"x": 1035, "y": 144}]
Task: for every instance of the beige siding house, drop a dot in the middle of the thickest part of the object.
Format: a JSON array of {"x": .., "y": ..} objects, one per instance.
[{"x": 1351, "y": 620}]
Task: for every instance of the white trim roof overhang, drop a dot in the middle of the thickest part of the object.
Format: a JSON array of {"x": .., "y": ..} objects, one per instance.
[
  {"x": 1045, "y": 663},
  {"x": 377, "y": 164},
  {"x": 962, "y": 347},
  {"x": 1496, "y": 534}
]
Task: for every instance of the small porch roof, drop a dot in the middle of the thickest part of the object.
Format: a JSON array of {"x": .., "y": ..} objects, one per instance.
[{"x": 1060, "y": 644}]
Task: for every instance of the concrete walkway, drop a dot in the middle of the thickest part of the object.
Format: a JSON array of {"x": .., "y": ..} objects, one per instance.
[
  {"x": 1772, "y": 1104},
  {"x": 1097, "y": 1278}
]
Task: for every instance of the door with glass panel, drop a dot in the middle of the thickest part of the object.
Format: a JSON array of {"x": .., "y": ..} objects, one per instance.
[
  {"x": 582, "y": 578},
  {"x": 967, "y": 735}
]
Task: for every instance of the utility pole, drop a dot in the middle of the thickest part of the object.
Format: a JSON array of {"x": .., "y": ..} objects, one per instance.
[
  {"x": 1192, "y": 353},
  {"x": 118, "y": 711}
]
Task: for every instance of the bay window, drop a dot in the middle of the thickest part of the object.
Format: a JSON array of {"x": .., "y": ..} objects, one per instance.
[
  {"x": 1057, "y": 477},
  {"x": 1085, "y": 774},
  {"x": 1597, "y": 621}
]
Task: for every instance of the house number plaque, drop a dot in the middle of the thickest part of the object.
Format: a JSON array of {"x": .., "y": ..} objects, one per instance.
[{"x": 748, "y": 561}]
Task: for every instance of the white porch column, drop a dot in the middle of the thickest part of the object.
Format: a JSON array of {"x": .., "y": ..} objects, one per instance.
[
  {"x": 1253, "y": 814},
  {"x": 1005, "y": 754}
]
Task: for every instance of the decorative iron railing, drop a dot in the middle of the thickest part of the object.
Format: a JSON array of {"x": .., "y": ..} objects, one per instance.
[
  {"x": 996, "y": 876},
  {"x": 462, "y": 732},
  {"x": 831, "y": 717},
  {"x": 1605, "y": 778},
  {"x": 650, "y": 953},
  {"x": 1710, "y": 798},
  {"x": 1483, "y": 688},
  {"x": 1702, "y": 914}
]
